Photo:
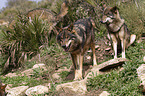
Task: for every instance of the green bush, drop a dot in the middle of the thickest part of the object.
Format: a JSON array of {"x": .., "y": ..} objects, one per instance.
[{"x": 23, "y": 41}]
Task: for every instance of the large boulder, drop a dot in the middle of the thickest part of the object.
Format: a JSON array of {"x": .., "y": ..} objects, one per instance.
[
  {"x": 105, "y": 66},
  {"x": 17, "y": 91},
  {"x": 76, "y": 87},
  {"x": 141, "y": 75},
  {"x": 34, "y": 91}
]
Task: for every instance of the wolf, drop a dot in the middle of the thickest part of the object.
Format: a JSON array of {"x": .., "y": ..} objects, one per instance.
[
  {"x": 117, "y": 29},
  {"x": 2, "y": 89},
  {"x": 48, "y": 15},
  {"x": 77, "y": 39}
]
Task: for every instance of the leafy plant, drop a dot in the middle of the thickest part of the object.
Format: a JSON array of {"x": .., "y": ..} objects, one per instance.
[{"x": 24, "y": 40}]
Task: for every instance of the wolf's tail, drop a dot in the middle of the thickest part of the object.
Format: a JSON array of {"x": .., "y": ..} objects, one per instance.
[{"x": 132, "y": 39}]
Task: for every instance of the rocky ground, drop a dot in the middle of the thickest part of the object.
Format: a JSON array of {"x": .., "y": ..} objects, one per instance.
[{"x": 103, "y": 53}]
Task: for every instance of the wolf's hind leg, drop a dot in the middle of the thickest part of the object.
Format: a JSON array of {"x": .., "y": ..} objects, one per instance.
[
  {"x": 94, "y": 56},
  {"x": 123, "y": 42}
]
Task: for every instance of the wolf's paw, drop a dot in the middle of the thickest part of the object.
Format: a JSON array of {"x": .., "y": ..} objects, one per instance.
[
  {"x": 78, "y": 79},
  {"x": 78, "y": 75}
]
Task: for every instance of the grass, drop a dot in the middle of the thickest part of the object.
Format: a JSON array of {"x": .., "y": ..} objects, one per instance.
[{"x": 123, "y": 83}]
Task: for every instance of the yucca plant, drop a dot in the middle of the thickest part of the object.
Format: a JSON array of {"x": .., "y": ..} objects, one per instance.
[{"x": 23, "y": 41}]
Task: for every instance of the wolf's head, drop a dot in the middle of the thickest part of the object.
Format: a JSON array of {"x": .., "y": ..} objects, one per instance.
[
  {"x": 109, "y": 15},
  {"x": 67, "y": 40},
  {"x": 2, "y": 90}
]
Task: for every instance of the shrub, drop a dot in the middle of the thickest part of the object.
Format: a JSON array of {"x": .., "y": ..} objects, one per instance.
[{"x": 24, "y": 40}]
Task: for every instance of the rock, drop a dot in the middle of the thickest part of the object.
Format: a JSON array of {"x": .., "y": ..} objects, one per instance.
[
  {"x": 36, "y": 90},
  {"x": 39, "y": 66},
  {"x": 89, "y": 51},
  {"x": 63, "y": 69},
  {"x": 104, "y": 93},
  {"x": 97, "y": 46},
  {"x": 88, "y": 57},
  {"x": 111, "y": 63},
  {"x": 27, "y": 72},
  {"x": 30, "y": 71},
  {"x": 17, "y": 91},
  {"x": 94, "y": 72},
  {"x": 56, "y": 76},
  {"x": 11, "y": 75},
  {"x": 108, "y": 49},
  {"x": 79, "y": 87},
  {"x": 141, "y": 75},
  {"x": 76, "y": 87}
]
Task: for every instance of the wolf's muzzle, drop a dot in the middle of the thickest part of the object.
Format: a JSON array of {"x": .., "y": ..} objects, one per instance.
[
  {"x": 63, "y": 46},
  {"x": 101, "y": 22}
]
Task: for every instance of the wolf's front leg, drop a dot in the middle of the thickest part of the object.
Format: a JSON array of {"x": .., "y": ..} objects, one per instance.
[
  {"x": 78, "y": 65},
  {"x": 123, "y": 43},
  {"x": 114, "y": 40}
]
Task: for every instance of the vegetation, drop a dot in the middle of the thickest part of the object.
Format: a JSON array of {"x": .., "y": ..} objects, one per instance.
[
  {"x": 24, "y": 40},
  {"x": 28, "y": 43},
  {"x": 125, "y": 82}
]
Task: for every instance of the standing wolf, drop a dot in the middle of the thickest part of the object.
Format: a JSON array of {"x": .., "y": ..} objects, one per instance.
[
  {"x": 117, "y": 29},
  {"x": 77, "y": 41}
]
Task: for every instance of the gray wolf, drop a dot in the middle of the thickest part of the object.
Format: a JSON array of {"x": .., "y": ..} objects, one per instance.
[
  {"x": 117, "y": 29},
  {"x": 77, "y": 39},
  {"x": 46, "y": 14},
  {"x": 2, "y": 89}
]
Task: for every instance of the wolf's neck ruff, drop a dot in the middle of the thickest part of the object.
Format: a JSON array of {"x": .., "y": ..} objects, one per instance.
[{"x": 117, "y": 30}]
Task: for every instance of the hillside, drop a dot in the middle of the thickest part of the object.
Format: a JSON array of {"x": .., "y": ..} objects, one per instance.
[{"x": 28, "y": 43}]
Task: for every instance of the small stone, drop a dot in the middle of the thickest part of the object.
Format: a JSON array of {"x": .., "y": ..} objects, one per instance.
[
  {"x": 89, "y": 51},
  {"x": 11, "y": 75},
  {"x": 56, "y": 76},
  {"x": 88, "y": 57},
  {"x": 36, "y": 90},
  {"x": 38, "y": 66},
  {"x": 104, "y": 93},
  {"x": 108, "y": 49},
  {"x": 144, "y": 58},
  {"x": 97, "y": 46}
]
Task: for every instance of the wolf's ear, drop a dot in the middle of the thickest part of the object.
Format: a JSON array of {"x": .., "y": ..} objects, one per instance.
[
  {"x": 70, "y": 27},
  {"x": 114, "y": 9}
]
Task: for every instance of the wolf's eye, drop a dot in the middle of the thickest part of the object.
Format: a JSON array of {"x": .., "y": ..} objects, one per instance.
[
  {"x": 73, "y": 38},
  {"x": 61, "y": 39}
]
